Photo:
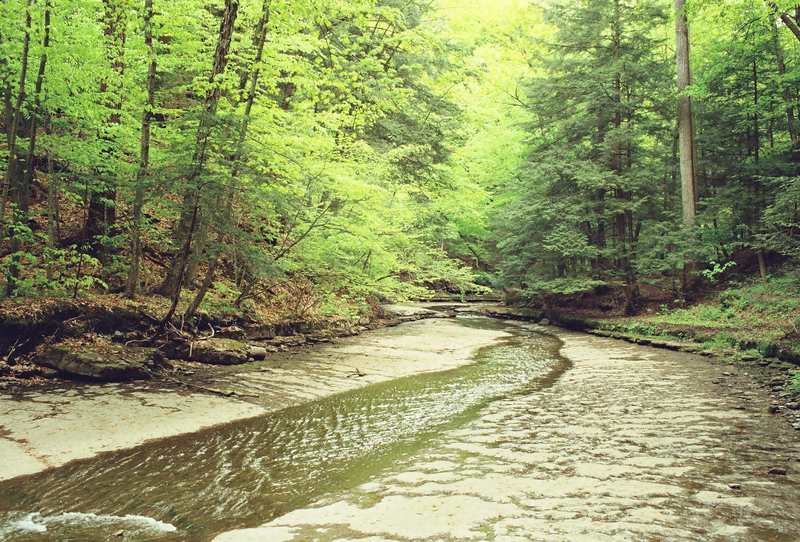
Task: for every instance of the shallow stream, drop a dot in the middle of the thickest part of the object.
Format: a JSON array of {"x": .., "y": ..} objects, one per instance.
[{"x": 194, "y": 486}]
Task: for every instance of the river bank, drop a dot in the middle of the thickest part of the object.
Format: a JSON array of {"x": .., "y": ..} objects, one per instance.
[
  {"x": 48, "y": 426},
  {"x": 114, "y": 339},
  {"x": 43, "y": 429},
  {"x": 89, "y": 418}
]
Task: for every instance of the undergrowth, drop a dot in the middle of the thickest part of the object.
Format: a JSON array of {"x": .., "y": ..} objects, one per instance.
[
  {"x": 794, "y": 384},
  {"x": 748, "y": 321},
  {"x": 759, "y": 311}
]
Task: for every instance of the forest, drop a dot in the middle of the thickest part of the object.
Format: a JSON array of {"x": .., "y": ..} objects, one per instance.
[
  {"x": 399, "y": 270},
  {"x": 315, "y": 158}
]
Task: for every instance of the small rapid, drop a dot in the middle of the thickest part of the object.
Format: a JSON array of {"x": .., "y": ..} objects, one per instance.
[
  {"x": 191, "y": 487},
  {"x": 37, "y": 523}
]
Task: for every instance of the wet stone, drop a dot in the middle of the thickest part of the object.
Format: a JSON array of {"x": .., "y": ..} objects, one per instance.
[
  {"x": 112, "y": 363},
  {"x": 258, "y": 352},
  {"x": 215, "y": 351}
]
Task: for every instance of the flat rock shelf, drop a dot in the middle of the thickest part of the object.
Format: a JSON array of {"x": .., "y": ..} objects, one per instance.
[{"x": 461, "y": 430}]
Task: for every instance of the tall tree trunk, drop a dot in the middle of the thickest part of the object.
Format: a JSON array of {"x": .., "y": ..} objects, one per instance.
[
  {"x": 619, "y": 163},
  {"x": 16, "y": 117},
  {"x": 203, "y": 234},
  {"x": 24, "y": 178},
  {"x": 199, "y": 246},
  {"x": 173, "y": 282},
  {"x": 791, "y": 124},
  {"x": 38, "y": 112},
  {"x": 600, "y": 263},
  {"x": 102, "y": 214},
  {"x": 790, "y": 23},
  {"x": 132, "y": 285},
  {"x": 184, "y": 256},
  {"x": 260, "y": 40},
  {"x": 762, "y": 264},
  {"x": 686, "y": 143},
  {"x": 756, "y": 118},
  {"x": 7, "y": 92},
  {"x": 756, "y": 208},
  {"x": 52, "y": 200}
]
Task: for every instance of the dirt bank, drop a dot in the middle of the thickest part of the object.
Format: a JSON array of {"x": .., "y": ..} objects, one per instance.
[{"x": 43, "y": 429}]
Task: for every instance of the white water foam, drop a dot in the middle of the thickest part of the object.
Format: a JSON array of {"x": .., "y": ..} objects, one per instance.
[
  {"x": 26, "y": 524},
  {"x": 37, "y": 523}
]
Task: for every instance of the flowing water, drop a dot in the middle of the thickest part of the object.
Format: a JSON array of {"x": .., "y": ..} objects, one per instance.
[
  {"x": 610, "y": 442},
  {"x": 195, "y": 486}
]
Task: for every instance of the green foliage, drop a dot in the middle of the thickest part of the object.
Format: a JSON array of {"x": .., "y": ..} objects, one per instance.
[
  {"x": 350, "y": 178},
  {"x": 563, "y": 286},
  {"x": 640, "y": 329},
  {"x": 794, "y": 383},
  {"x": 600, "y": 102},
  {"x": 765, "y": 310},
  {"x": 56, "y": 272},
  {"x": 702, "y": 315},
  {"x": 721, "y": 342},
  {"x": 782, "y": 218},
  {"x": 598, "y": 195},
  {"x": 393, "y": 148},
  {"x": 716, "y": 269}
]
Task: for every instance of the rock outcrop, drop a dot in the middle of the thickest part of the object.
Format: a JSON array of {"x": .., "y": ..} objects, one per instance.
[
  {"x": 216, "y": 351},
  {"x": 112, "y": 363}
]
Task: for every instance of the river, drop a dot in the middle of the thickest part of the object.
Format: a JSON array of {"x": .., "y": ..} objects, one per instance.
[{"x": 542, "y": 437}]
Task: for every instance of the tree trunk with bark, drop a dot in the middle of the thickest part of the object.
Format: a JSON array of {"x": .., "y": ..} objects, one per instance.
[
  {"x": 12, "y": 166},
  {"x": 22, "y": 180},
  {"x": 37, "y": 114},
  {"x": 790, "y": 23},
  {"x": 791, "y": 123},
  {"x": 756, "y": 117},
  {"x": 620, "y": 162},
  {"x": 686, "y": 144},
  {"x": 173, "y": 283},
  {"x": 132, "y": 285},
  {"x": 255, "y": 74},
  {"x": 52, "y": 201},
  {"x": 101, "y": 217}
]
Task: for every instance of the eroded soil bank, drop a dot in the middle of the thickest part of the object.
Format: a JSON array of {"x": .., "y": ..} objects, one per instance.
[
  {"x": 44, "y": 429},
  {"x": 631, "y": 443}
]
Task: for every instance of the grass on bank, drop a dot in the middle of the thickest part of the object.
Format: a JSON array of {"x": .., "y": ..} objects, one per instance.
[
  {"x": 746, "y": 320},
  {"x": 767, "y": 309},
  {"x": 794, "y": 385}
]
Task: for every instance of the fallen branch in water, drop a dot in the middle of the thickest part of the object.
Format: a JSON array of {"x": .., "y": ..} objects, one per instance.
[
  {"x": 174, "y": 380},
  {"x": 356, "y": 373}
]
